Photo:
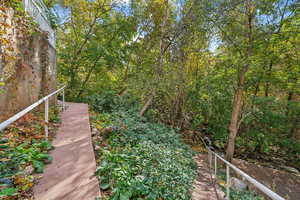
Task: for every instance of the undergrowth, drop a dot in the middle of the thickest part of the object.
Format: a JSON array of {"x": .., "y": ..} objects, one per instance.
[
  {"x": 235, "y": 194},
  {"x": 24, "y": 151},
  {"x": 140, "y": 159}
]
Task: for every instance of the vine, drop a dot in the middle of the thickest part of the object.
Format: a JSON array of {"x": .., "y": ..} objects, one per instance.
[
  {"x": 13, "y": 16},
  {"x": 15, "y": 4}
]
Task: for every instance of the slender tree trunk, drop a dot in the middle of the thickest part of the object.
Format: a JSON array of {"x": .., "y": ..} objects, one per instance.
[
  {"x": 88, "y": 76},
  {"x": 162, "y": 42},
  {"x": 289, "y": 99},
  {"x": 267, "y": 87},
  {"x": 237, "y": 105},
  {"x": 238, "y": 97},
  {"x": 148, "y": 103},
  {"x": 159, "y": 68},
  {"x": 290, "y": 96},
  {"x": 83, "y": 86},
  {"x": 295, "y": 129},
  {"x": 256, "y": 89}
]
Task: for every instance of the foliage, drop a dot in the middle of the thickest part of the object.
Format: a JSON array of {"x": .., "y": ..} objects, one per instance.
[
  {"x": 247, "y": 195},
  {"x": 109, "y": 101},
  {"x": 14, "y": 22},
  {"x": 24, "y": 154},
  {"x": 104, "y": 102},
  {"x": 143, "y": 160},
  {"x": 23, "y": 146},
  {"x": 235, "y": 194},
  {"x": 84, "y": 54},
  {"x": 185, "y": 61},
  {"x": 14, "y": 159},
  {"x": 15, "y": 4}
]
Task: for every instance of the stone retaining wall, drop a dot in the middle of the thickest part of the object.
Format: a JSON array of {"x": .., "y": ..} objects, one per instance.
[{"x": 27, "y": 64}]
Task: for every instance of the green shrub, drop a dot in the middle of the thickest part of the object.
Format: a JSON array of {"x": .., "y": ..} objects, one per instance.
[
  {"x": 109, "y": 101},
  {"x": 13, "y": 160},
  {"x": 34, "y": 153},
  {"x": 144, "y": 160},
  {"x": 235, "y": 194},
  {"x": 103, "y": 102}
]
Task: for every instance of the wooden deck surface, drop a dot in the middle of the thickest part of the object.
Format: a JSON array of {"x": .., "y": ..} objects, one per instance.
[{"x": 70, "y": 176}]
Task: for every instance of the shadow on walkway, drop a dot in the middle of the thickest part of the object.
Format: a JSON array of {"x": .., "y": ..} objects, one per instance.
[{"x": 70, "y": 176}]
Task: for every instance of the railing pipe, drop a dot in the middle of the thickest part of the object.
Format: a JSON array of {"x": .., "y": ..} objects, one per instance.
[
  {"x": 257, "y": 184},
  {"x": 227, "y": 182},
  {"x": 210, "y": 161},
  {"x": 216, "y": 166},
  {"x": 14, "y": 118},
  {"x": 46, "y": 117},
  {"x": 63, "y": 99}
]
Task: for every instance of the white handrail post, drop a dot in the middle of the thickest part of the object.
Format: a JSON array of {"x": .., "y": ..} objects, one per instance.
[
  {"x": 46, "y": 117},
  {"x": 216, "y": 166},
  {"x": 257, "y": 184},
  {"x": 20, "y": 114},
  {"x": 63, "y": 98},
  {"x": 227, "y": 182},
  {"x": 210, "y": 160}
]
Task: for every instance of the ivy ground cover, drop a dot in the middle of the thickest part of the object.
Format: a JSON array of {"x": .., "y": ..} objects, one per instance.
[{"x": 139, "y": 159}]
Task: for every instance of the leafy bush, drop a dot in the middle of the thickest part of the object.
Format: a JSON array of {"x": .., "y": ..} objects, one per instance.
[
  {"x": 245, "y": 195},
  {"x": 235, "y": 194},
  {"x": 103, "y": 102},
  {"x": 109, "y": 101},
  {"x": 144, "y": 160},
  {"x": 23, "y": 150},
  {"x": 15, "y": 159},
  {"x": 24, "y": 154},
  {"x": 268, "y": 123}
]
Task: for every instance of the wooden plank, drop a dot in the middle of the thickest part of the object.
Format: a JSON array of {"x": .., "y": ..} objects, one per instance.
[{"x": 71, "y": 174}]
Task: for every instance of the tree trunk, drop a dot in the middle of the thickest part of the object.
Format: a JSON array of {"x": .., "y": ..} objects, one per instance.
[
  {"x": 237, "y": 105},
  {"x": 148, "y": 103},
  {"x": 256, "y": 89},
  {"x": 159, "y": 68},
  {"x": 83, "y": 85},
  {"x": 295, "y": 129},
  {"x": 238, "y": 96},
  {"x": 267, "y": 87},
  {"x": 88, "y": 76}
]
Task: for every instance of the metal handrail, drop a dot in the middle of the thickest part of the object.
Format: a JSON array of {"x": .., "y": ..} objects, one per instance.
[
  {"x": 257, "y": 184},
  {"x": 17, "y": 116}
]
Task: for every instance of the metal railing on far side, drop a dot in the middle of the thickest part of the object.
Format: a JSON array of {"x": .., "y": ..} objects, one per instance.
[
  {"x": 14, "y": 118},
  {"x": 229, "y": 166}
]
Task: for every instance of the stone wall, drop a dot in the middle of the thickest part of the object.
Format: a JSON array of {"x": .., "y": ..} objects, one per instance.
[{"x": 27, "y": 64}]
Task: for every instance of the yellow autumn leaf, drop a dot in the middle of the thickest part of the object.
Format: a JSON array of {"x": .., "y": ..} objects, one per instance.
[{"x": 221, "y": 182}]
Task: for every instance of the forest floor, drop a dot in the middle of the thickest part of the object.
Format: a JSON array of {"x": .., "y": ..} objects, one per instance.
[
  {"x": 283, "y": 183},
  {"x": 273, "y": 170}
]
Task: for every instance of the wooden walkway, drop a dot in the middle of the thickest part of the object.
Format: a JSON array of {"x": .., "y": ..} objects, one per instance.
[{"x": 70, "y": 176}]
